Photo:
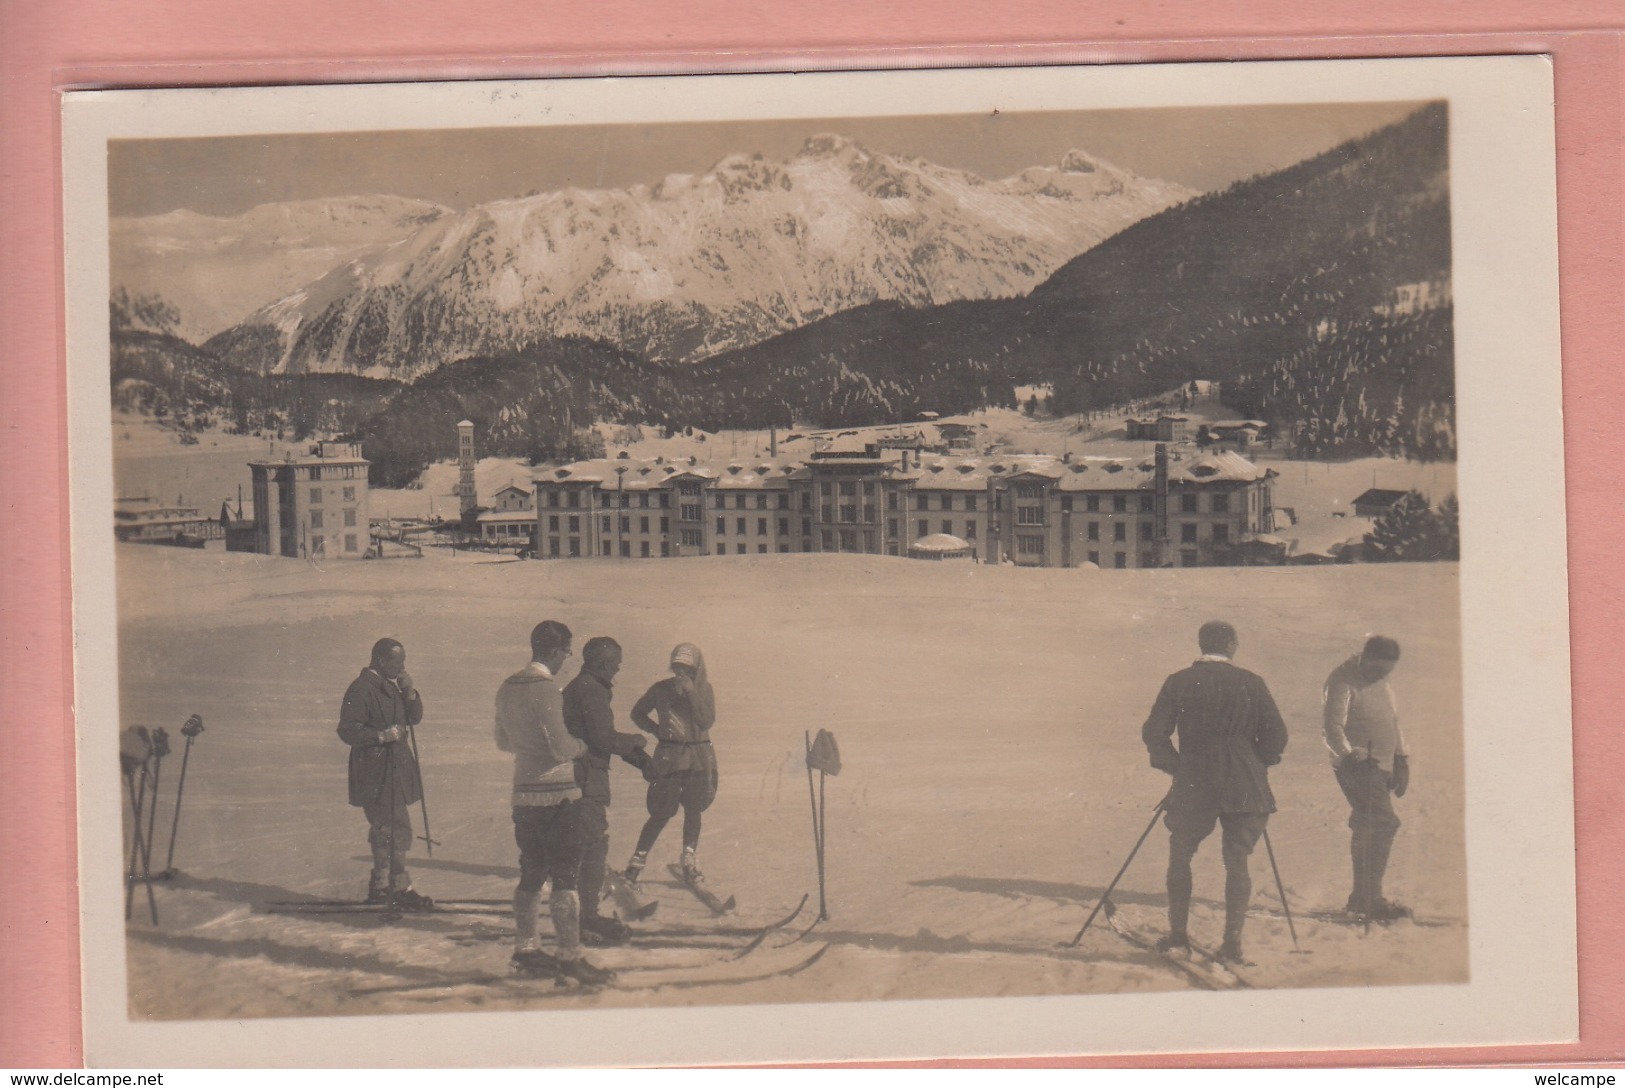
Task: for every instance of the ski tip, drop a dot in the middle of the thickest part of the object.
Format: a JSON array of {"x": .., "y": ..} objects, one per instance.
[{"x": 729, "y": 905}]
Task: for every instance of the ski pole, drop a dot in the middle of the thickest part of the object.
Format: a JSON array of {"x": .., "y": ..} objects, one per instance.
[
  {"x": 423, "y": 797},
  {"x": 823, "y": 843},
  {"x": 818, "y": 838},
  {"x": 193, "y": 726},
  {"x": 1156, "y": 812},
  {"x": 1280, "y": 887},
  {"x": 160, "y": 749}
]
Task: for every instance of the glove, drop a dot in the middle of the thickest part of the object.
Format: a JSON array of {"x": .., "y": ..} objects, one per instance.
[
  {"x": 1355, "y": 757},
  {"x": 1400, "y": 780},
  {"x": 391, "y": 735}
]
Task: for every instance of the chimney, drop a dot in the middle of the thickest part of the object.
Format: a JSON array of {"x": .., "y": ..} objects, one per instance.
[{"x": 772, "y": 441}]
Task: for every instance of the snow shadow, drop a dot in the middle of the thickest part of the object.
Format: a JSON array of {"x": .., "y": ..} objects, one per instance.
[
  {"x": 466, "y": 868},
  {"x": 1022, "y": 890},
  {"x": 286, "y": 955}
]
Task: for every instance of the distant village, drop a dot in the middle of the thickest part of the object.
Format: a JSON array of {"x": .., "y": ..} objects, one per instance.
[{"x": 920, "y": 490}]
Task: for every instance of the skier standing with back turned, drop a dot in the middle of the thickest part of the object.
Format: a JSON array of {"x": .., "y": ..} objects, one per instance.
[
  {"x": 1229, "y": 731},
  {"x": 683, "y": 772}
]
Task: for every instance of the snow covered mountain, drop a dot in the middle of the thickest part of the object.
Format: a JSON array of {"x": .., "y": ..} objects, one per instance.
[
  {"x": 216, "y": 271},
  {"x": 695, "y": 265}
]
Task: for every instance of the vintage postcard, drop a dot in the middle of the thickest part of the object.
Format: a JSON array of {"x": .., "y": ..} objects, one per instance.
[{"x": 776, "y": 568}]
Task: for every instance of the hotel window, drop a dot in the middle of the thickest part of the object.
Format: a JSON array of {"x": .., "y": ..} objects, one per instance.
[
  {"x": 1091, "y": 503},
  {"x": 643, "y": 501},
  {"x": 349, "y": 494},
  {"x": 316, "y": 519},
  {"x": 761, "y": 549},
  {"x": 575, "y": 547},
  {"x": 553, "y": 523},
  {"x": 970, "y": 530},
  {"x": 1147, "y": 530},
  {"x": 948, "y": 502},
  {"x": 643, "y": 549},
  {"x": 626, "y": 524},
  {"x": 922, "y": 501},
  {"x": 315, "y": 495},
  {"x": 761, "y": 526},
  {"x": 665, "y": 549},
  {"x": 722, "y": 549},
  {"x": 948, "y": 526},
  {"x": 553, "y": 547},
  {"x": 1029, "y": 491},
  {"x": 828, "y": 539},
  {"x": 826, "y": 489},
  {"x": 1030, "y": 544},
  {"x": 665, "y": 525},
  {"x": 869, "y": 541},
  {"x": 349, "y": 519},
  {"x": 829, "y": 511},
  {"x": 688, "y": 487},
  {"x": 318, "y": 545},
  {"x": 739, "y": 526},
  {"x": 849, "y": 540},
  {"x": 924, "y": 528},
  {"x": 1221, "y": 534},
  {"x": 1119, "y": 532},
  {"x": 784, "y": 500},
  {"x": 970, "y": 502},
  {"x": 722, "y": 526},
  {"x": 891, "y": 500},
  {"x": 1221, "y": 504},
  {"x": 604, "y": 548},
  {"x": 719, "y": 501},
  {"x": 1187, "y": 533},
  {"x": 1120, "y": 560},
  {"x": 1187, "y": 504},
  {"x": 849, "y": 489},
  {"x": 349, "y": 542},
  {"x": 553, "y": 499},
  {"x": 739, "y": 549},
  {"x": 784, "y": 526},
  {"x": 605, "y": 522},
  {"x": 626, "y": 501},
  {"x": 692, "y": 538},
  {"x": 1066, "y": 504},
  {"x": 643, "y": 524},
  {"x": 316, "y": 472},
  {"x": 626, "y": 549},
  {"x": 1094, "y": 530},
  {"x": 739, "y": 502},
  {"x": 868, "y": 513},
  {"x": 891, "y": 526},
  {"x": 1094, "y": 557},
  {"x": 665, "y": 501},
  {"x": 575, "y": 523},
  {"x": 1119, "y": 504},
  {"x": 691, "y": 511},
  {"x": 574, "y": 500},
  {"x": 1029, "y": 515},
  {"x": 1148, "y": 504},
  {"x": 849, "y": 513},
  {"x": 761, "y": 502}
]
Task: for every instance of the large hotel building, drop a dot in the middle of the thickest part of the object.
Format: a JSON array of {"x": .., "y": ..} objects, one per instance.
[{"x": 1173, "y": 509}]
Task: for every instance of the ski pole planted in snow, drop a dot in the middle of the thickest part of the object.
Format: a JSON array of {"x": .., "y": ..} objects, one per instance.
[
  {"x": 423, "y": 796},
  {"x": 193, "y": 726},
  {"x": 1155, "y": 813},
  {"x": 824, "y": 756},
  {"x": 1280, "y": 887},
  {"x": 160, "y": 749},
  {"x": 135, "y": 750}
]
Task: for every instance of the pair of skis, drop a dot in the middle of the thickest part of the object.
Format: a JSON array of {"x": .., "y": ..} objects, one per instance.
[{"x": 715, "y": 971}]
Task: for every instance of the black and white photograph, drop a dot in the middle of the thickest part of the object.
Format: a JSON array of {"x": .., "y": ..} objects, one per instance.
[{"x": 855, "y": 565}]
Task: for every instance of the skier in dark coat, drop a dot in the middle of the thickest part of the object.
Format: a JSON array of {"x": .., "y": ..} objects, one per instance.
[
  {"x": 590, "y": 719},
  {"x": 1229, "y": 731},
  {"x": 679, "y": 711},
  {"x": 379, "y": 707}
]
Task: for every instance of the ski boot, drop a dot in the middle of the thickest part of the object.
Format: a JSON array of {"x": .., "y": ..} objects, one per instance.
[
  {"x": 585, "y": 972},
  {"x": 601, "y": 932},
  {"x": 635, "y": 867},
  {"x": 534, "y": 963},
  {"x": 691, "y": 867},
  {"x": 1174, "y": 944},
  {"x": 408, "y": 900},
  {"x": 1230, "y": 953}
]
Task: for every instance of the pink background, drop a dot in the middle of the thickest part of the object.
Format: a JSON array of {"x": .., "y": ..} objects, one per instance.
[{"x": 46, "y": 47}]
